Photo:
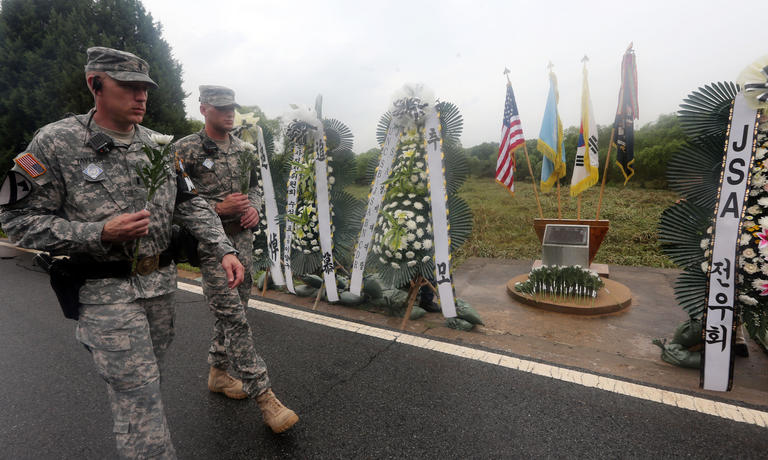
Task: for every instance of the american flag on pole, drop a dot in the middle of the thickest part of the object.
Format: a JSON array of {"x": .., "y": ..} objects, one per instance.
[{"x": 511, "y": 139}]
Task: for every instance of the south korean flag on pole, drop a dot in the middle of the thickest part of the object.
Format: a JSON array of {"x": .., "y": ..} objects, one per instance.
[{"x": 14, "y": 188}]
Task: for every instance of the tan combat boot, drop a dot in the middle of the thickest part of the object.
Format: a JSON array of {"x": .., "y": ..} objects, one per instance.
[
  {"x": 219, "y": 381},
  {"x": 277, "y": 416}
]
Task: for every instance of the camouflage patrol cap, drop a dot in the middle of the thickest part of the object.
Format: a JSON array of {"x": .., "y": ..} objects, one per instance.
[
  {"x": 120, "y": 65},
  {"x": 217, "y": 96}
]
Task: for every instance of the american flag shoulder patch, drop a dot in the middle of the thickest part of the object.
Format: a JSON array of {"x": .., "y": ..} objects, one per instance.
[{"x": 30, "y": 164}]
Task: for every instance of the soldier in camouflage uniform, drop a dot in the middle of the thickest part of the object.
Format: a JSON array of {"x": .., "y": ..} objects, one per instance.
[
  {"x": 85, "y": 200},
  {"x": 219, "y": 165}
]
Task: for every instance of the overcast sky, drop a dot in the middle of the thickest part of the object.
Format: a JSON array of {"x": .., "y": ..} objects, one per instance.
[{"x": 358, "y": 53}]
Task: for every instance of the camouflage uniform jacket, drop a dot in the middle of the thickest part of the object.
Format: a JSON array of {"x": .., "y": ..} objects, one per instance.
[
  {"x": 217, "y": 174},
  {"x": 81, "y": 189}
]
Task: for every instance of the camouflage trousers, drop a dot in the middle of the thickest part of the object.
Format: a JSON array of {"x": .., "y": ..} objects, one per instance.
[
  {"x": 127, "y": 342},
  {"x": 232, "y": 347}
]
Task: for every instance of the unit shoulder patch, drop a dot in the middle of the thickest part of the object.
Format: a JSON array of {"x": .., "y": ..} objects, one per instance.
[{"x": 15, "y": 187}]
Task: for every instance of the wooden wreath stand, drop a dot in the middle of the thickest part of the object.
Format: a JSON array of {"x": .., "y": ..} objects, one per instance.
[{"x": 416, "y": 285}]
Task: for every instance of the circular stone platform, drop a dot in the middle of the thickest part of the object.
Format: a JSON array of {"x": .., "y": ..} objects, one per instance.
[{"x": 611, "y": 298}]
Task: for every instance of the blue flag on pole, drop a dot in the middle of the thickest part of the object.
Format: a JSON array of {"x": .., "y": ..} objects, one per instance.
[{"x": 550, "y": 142}]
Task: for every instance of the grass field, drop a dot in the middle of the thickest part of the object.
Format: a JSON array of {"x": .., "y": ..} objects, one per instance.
[{"x": 503, "y": 224}]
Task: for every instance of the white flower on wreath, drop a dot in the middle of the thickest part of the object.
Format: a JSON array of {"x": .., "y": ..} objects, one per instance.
[
  {"x": 418, "y": 205},
  {"x": 758, "y": 180},
  {"x": 307, "y": 251},
  {"x": 760, "y": 153},
  {"x": 420, "y": 219},
  {"x": 747, "y": 300},
  {"x": 749, "y": 253},
  {"x": 394, "y": 265},
  {"x": 398, "y": 255},
  {"x": 763, "y": 202},
  {"x": 411, "y": 263},
  {"x": 410, "y": 237},
  {"x": 425, "y": 259},
  {"x": 411, "y": 195},
  {"x": 750, "y": 268},
  {"x": 754, "y": 210},
  {"x": 388, "y": 253},
  {"x": 411, "y": 225},
  {"x": 744, "y": 239},
  {"x": 705, "y": 266},
  {"x": 704, "y": 243},
  {"x": 417, "y": 246},
  {"x": 313, "y": 242},
  {"x": 381, "y": 259},
  {"x": 759, "y": 284},
  {"x": 409, "y": 254},
  {"x": 763, "y": 221},
  {"x": 258, "y": 252},
  {"x": 419, "y": 232},
  {"x": 315, "y": 248},
  {"x": 414, "y": 178},
  {"x": 331, "y": 180},
  {"x": 407, "y": 202},
  {"x": 427, "y": 244}
]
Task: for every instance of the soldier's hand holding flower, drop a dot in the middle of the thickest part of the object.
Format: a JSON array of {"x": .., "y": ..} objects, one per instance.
[
  {"x": 250, "y": 218},
  {"x": 234, "y": 203},
  {"x": 126, "y": 227}
]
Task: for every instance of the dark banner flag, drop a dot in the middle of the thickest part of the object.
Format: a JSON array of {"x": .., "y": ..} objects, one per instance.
[{"x": 626, "y": 113}]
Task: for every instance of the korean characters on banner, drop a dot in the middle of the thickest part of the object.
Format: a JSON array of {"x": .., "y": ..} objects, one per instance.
[{"x": 717, "y": 370}]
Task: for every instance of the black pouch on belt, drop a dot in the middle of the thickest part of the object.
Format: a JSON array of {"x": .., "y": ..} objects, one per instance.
[{"x": 66, "y": 282}]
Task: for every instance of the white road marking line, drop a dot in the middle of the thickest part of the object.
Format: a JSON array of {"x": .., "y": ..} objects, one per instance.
[{"x": 670, "y": 398}]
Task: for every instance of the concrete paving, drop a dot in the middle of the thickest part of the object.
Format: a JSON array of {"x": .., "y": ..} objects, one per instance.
[{"x": 617, "y": 344}]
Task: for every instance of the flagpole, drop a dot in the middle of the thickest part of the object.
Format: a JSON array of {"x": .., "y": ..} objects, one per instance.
[
  {"x": 578, "y": 207},
  {"x": 533, "y": 179},
  {"x": 605, "y": 173}
]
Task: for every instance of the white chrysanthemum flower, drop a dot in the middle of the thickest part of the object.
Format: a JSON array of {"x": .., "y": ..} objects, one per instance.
[
  {"x": 419, "y": 232},
  {"x": 398, "y": 256},
  {"x": 744, "y": 239},
  {"x": 706, "y": 254},
  {"x": 376, "y": 250},
  {"x": 388, "y": 253},
  {"x": 414, "y": 178},
  {"x": 381, "y": 259},
  {"x": 764, "y": 252},
  {"x": 411, "y": 263},
  {"x": 409, "y": 254},
  {"x": 754, "y": 210},
  {"x": 763, "y": 202},
  {"x": 747, "y": 300},
  {"x": 257, "y": 231},
  {"x": 307, "y": 251},
  {"x": 394, "y": 265},
  {"x": 429, "y": 228},
  {"x": 750, "y": 268},
  {"x": 401, "y": 215},
  {"x": 403, "y": 242},
  {"x": 418, "y": 205},
  {"x": 709, "y": 230},
  {"x": 417, "y": 245},
  {"x": 763, "y": 221},
  {"x": 749, "y": 253},
  {"x": 411, "y": 225},
  {"x": 315, "y": 248},
  {"x": 407, "y": 203},
  {"x": 704, "y": 243},
  {"x": 759, "y": 283},
  {"x": 400, "y": 195},
  {"x": 410, "y": 237},
  {"x": 313, "y": 242},
  {"x": 258, "y": 252},
  {"x": 760, "y": 153},
  {"x": 161, "y": 139},
  {"x": 755, "y": 192},
  {"x": 425, "y": 259},
  {"x": 331, "y": 180},
  {"x": 411, "y": 195},
  {"x": 759, "y": 180},
  {"x": 419, "y": 164},
  {"x": 330, "y": 169},
  {"x": 420, "y": 219},
  {"x": 427, "y": 244},
  {"x": 408, "y": 153},
  {"x": 705, "y": 267}
]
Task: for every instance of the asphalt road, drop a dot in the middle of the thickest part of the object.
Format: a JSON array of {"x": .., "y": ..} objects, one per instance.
[{"x": 357, "y": 396}]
